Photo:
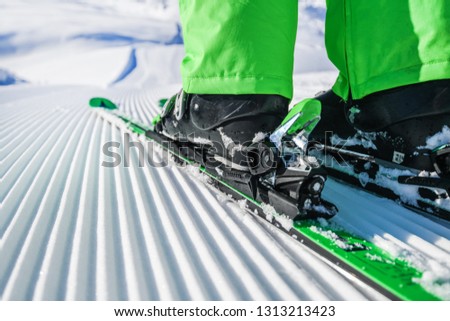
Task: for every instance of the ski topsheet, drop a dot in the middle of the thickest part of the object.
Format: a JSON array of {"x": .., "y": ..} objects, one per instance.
[{"x": 390, "y": 276}]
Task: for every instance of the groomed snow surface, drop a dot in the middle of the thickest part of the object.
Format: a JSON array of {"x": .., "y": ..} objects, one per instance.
[{"x": 72, "y": 228}]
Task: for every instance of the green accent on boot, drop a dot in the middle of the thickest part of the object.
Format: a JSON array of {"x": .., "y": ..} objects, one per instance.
[
  {"x": 156, "y": 120},
  {"x": 102, "y": 103},
  {"x": 309, "y": 110}
]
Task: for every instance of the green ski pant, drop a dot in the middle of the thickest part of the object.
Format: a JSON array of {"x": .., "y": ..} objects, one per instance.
[{"x": 247, "y": 46}]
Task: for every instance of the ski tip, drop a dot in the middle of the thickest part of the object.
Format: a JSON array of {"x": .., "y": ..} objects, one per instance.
[
  {"x": 162, "y": 102},
  {"x": 100, "y": 102}
]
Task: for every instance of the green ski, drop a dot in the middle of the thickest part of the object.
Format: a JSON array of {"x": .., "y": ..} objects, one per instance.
[{"x": 392, "y": 277}]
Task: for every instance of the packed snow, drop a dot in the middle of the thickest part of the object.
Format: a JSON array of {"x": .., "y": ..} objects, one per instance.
[
  {"x": 439, "y": 139},
  {"x": 72, "y": 229}
]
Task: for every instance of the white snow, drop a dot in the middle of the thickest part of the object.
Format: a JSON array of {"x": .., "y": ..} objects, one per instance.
[
  {"x": 7, "y": 78},
  {"x": 229, "y": 144},
  {"x": 259, "y": 137},
  {"x": 357, "y": 140},
  {"x": 271, "y": 214},
  {"x": 439, "y": 139},
  {"x": 384, "y": 178},
  {"x": 72, "y": 229},
  {"x": 331, "y": 236},
  {"x": 202, "y": 141}
]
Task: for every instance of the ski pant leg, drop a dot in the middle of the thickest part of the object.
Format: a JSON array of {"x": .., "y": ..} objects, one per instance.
[
  {"x": 239, "y": 47},
  {"x": 383, "y": 44}
]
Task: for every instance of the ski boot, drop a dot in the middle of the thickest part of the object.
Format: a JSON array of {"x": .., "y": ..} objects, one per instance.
[
  {"x": 407, "y": 126},
  {"x": 240, "y": 139},
  {"x": 400, "y": 135},
  {"x": 224, "y": 123}
]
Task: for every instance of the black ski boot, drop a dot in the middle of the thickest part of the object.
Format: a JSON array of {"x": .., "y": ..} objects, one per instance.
[
  {"x": 395, "y": 143},
  {"x": 226, "y": 123},
  {"x": 407, "y": 126},
  {"x": 250, "y": 143}
]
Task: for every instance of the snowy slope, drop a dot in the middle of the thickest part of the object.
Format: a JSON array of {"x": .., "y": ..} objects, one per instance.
[{"x": 71, "y": 228}]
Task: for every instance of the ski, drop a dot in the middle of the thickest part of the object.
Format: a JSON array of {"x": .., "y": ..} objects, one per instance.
[{"x": 392, "y": 277}]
